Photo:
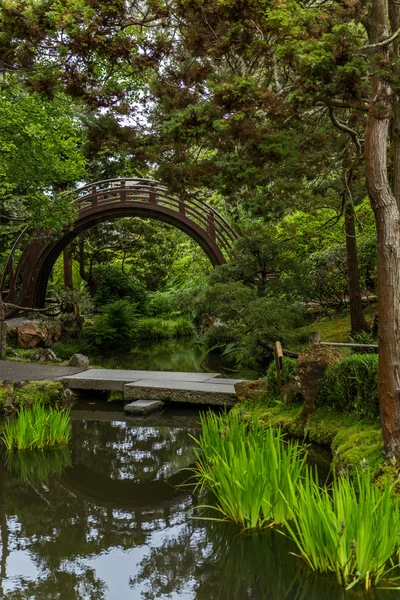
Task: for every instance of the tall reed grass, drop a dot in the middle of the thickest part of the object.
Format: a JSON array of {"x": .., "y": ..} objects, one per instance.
[
  {"x": 251, "y": 471},
  {"x": 350, "y": 528},
  {"x": 37, "y": 428}
]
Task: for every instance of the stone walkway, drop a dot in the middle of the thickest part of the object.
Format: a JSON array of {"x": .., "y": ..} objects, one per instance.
[
  {"x": 192, "y": 388},
  {"x": 11, "y": 370}
]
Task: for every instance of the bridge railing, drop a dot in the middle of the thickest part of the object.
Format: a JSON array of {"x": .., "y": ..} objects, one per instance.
[{"x": 129, "y": 190}]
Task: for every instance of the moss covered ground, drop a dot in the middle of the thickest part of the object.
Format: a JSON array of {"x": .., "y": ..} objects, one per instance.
[
  {"x": 335, "y": 328},
  {"x": 355, "y": 442},
  {"x": 14, "y": 396}
]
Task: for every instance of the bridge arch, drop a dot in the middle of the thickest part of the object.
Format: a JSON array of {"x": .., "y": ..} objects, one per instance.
[{"x": 104, "y": 200}]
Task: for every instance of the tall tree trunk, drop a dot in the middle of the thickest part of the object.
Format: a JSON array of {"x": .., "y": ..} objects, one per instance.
[
  {"x": 3, "y": 328},
  {"x": 68, "y": 280},
  {"x": 358, "y": 322},
  {"x": 387, "y": 218},
  {"x": 88, "y": 277}
]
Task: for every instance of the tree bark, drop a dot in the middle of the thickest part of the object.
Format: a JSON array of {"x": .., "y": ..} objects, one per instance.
[
  {"x": 68, "y": 280},
  {"x": 387, "y": 218},
  {"x": 357, "y": 320},
  {"x": 3, "y": 329},
  {"x": 88, "y": 277}
]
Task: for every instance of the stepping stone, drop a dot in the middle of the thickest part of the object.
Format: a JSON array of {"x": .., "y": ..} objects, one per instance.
[{"x": 143, "y": 407}]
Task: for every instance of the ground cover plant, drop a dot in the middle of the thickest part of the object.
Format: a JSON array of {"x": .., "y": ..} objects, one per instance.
[
  {"x": 250, "y": 470},
  {"x": 37, "y": 428}
]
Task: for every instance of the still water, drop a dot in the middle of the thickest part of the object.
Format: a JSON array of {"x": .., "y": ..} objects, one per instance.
[
  {"x": 106, "y": 520},
  {"x": 184, "y": 354}
]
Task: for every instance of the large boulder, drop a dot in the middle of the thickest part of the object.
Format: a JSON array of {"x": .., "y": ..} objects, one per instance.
[
  {"x": 250, "y": 389},
  {"x": 311, "y": 365},
  {"x": 78, "y": 360},
  {"x": 33, "y": 333}
]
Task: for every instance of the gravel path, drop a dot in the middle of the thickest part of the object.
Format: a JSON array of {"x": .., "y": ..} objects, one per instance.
[{"x": 11, "y": 370}]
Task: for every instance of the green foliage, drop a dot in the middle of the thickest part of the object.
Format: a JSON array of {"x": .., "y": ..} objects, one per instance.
[
  {"x": 252, "y": 472},
  {"x": 114, "y": 326},
  {"x": 351, "y": 385},
  {"x": 66, "y": 348},
  {"x": 37, "y": 428},
  {"x": 241, "y": 320},
  {"x": 41, "y": 143},
  {"x": 153, "y": 328},
  {"x": 350, "y": 529},
  {"x": 363, "y": 337},
  {"x": 114, "y": 285},
  {"x": 288, "y": 372}
]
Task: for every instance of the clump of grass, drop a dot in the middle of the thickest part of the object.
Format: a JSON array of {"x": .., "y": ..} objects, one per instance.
[
  {"x": 251, "y": 471},
  {"x": 350, "y": 528},
  {"x": 37, "y": 428},
  {"x": 38, "y": 466},
  {"x": 351, "y": 385}
]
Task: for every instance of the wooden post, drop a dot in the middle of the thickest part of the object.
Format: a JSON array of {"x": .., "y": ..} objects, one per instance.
[
  {"x": 315, "y": 338},
  {"x": 278, "y": 354}
]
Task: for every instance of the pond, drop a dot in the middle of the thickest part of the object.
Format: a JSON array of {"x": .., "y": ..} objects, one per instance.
[
  {"x": 106, "y": 520},
  {"x": 184, "y": 354}
]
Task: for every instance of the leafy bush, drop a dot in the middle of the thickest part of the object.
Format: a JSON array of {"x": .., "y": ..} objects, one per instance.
[
  {"x": 351, "y": 385},
  {"x": 160, "y": 304},
  {"x": 363, "y": 337},
  {"x": 114, "y": 285},
  {"x": 37, "y": 428},
  {"x": 252, "y": 472},
  {"x": 114, "y": 327},
  {"x": 153, "y": 328},
  {"x": 288, "y": 372}
]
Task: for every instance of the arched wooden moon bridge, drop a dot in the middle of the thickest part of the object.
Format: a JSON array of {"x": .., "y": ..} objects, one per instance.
[{"x": 109, "y": 199}]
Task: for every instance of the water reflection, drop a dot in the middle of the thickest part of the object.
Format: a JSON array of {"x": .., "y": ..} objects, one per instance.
[
  {"x": 109, "y": 523},
  {"x": 184, "y": 355}
]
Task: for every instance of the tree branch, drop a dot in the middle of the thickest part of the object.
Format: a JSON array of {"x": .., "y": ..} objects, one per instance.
[{"x": 383, "y": 43}]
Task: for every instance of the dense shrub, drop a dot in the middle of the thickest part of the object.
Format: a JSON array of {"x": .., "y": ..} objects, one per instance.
[
  {"x": 288, "y": 372},
  {"x": 153, "y": 328},
  {"x": 114, "y": 285},
  {"x": 351, "y": 385},
  {"x": 114, "y": 326}
]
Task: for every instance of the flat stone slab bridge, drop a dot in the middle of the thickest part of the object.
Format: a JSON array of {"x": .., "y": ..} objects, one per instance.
[{"x": 157, "y": 386}]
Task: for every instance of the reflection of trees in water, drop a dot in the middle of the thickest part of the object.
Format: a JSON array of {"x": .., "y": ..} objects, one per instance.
[
  {"x": 119, "y": 450},
  {"x": 61, "y": 525},
  {"x": 69, "y": 585},
  {"x": 221, "y": 563},
  {"x": 58, "y": 524}
]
